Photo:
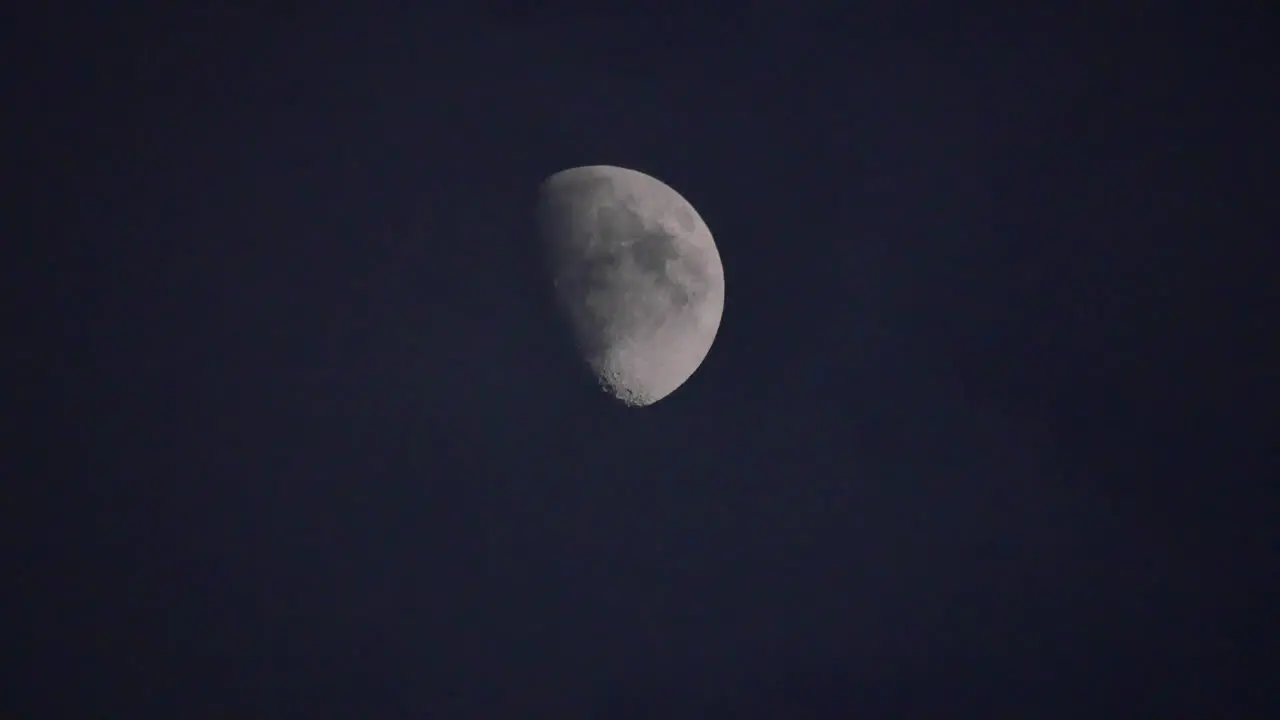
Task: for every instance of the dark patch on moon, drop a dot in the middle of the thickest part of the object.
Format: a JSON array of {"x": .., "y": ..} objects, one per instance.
[
  {"x": 684, "y": 217},
  {"x": 651, "y": 249}
]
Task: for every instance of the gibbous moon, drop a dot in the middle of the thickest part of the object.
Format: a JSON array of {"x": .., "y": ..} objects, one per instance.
[{"x": 636, "y": 274}]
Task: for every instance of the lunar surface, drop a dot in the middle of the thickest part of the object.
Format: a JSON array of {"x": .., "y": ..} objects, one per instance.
[{"x": 636, "y": 274}]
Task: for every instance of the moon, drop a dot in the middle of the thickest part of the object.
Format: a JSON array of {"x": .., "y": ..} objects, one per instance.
[{"x": 636, "y": 274}]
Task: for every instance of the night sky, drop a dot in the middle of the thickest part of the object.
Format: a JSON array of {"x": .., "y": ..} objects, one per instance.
[{"x": 982, "y": 433}]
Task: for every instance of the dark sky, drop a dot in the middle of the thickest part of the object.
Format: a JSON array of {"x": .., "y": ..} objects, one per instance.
[{"x": 982, "y": 434}]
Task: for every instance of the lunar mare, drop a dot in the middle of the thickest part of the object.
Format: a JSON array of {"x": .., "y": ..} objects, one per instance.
[{"x": 637, "y": 275}]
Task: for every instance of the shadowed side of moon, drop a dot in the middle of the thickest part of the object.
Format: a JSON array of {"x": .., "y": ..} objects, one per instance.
[{"x": 636, "y": 274}]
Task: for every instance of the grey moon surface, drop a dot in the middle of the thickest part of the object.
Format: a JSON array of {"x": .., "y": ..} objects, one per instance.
[{"x": 637, "y": 275}]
